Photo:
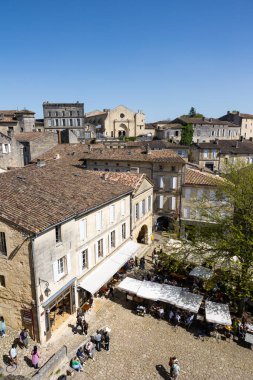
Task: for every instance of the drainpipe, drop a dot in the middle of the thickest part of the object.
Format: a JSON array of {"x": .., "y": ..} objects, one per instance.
[
  {"x": 180, "y": 202},
  {"x": 36, "y": 281},
  {"x": 131, "y": 214}
]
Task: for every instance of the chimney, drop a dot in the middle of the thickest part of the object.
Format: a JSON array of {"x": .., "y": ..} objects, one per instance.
[
  {"x": 89, "y": 148},
  {"x": 148, "y": 150},
  {"x": 228, "y": 112},
  {"x": 40, "y": 163},
  {"x": 10, "y": 132},
  {"x": 237, "y": 144}
]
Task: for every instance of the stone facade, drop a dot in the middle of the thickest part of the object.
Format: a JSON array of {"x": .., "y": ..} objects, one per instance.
[
  {"x": 17, "y": 121},
  {"x": 63, "y": 115},
  {"x": 244, "y": 121},
  {"x": 118, "y": 122},
  {"x": 16, "y": 268},
  {"x": 11, "y": 152}
]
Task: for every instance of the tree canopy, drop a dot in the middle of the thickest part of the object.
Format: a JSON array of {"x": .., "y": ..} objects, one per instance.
[
  {"x": 193, "y": 113},
  {"x": 186, "y": 134}
]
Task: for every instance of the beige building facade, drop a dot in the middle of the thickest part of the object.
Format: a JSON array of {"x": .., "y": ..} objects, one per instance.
[{"x": 118, "y": 122}]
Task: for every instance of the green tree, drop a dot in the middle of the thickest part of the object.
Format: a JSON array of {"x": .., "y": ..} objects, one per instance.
[
  {"x": 186, "y": 134},
  {"x": 227, "y": 242},
  {"x": 192, "y": 112}
]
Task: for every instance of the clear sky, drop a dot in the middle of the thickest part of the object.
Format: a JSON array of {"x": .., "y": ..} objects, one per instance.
[{"x": 161, "y": 56}]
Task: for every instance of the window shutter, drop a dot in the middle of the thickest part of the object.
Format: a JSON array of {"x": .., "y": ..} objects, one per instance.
[
  {"x": 173, "y": 203},
  {"x": 9, "y": 145},
  {"x": 98, "y": 220},
  {"x": 174, "y": 183},
  {"x": 140, "y": 209},
  {"x": 112, "y": 209},
  {"x": 161, "y": 182},
  {"x": 147, "y": 210},
  {"x": 96, "y": 251},
  {"x": 187, "y": 193},
  {"x": 123, "y": 207},
  {"x": 121, "y": 233},
  {"x": 3, "y": 148},
  {"x": 104, "y": 247},
  {"x": 68, "y": 263},
  {"x": 160, "y": 200},
  {"x": 82, "y": 229},
  {"x": 199, "y": 193},
  {"x": 80, "y": 271},
  {"x": 55, "y": 271}
]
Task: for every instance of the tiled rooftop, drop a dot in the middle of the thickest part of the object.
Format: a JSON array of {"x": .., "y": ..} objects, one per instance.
[
  {"x": 35, "y": 198},
  {"x": 31, "y": 136},
  {"x": 229, "y": 146},
  {"x": 201, "y": 178}
]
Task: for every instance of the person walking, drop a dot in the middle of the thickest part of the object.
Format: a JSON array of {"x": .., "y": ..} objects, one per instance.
[
  {"x": 142, "y": 263},
  {"x": 13, "y": 355},
  {"x": 174, "y": 368},
  {"x": 91, "y": 300},
  {"x": 98, "y": 338},
  {"x": 23, "y": 337},
  {"x": 2, "y": 327},
  {"x": 35, "y": 357},
  {"x": 107, "y": 341},
  {"x": 85, "y": 327}
]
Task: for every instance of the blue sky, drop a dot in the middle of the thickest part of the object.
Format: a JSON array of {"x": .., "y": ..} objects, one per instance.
[{"x": 161, "y": 56}]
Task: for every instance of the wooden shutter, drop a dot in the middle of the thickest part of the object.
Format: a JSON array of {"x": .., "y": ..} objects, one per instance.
[
  {"x": 3, "y": 148},
  {"x": 112, "y": 213},
  {"x": 80, "y": 261},
  {"x": 9, "y": 145},
  {"x": 174, "y": 183},
  {"x": 68, "y": 263},
  {"x": 160, "y": 199},
  {"x": 82, "y": 229},
  {"x": 55, "y": 271},
  {"x": 98, "y": 220},
  {"x": 123, "y": 207}
]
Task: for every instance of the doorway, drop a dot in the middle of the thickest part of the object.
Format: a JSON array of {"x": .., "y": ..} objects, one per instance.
[{"x": 143, "y": 235}]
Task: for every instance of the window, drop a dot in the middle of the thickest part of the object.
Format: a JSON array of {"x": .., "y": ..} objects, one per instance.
[
  {"x": 123, "y": 231},
  {"x": 99, "y": 220},
  {"x": 113, "y": 239},
  {"x": 107, "y": 170},
  {"x": 56, "y": 122},
  {"x": 199, "y": 193},
  {"x": 63, "y": 113},
  {"x": 186, "y": 212},
  {"x": 160, "y": 167},
  {"x": 56, "y": 114},
  {"x": 49, "y": 114},
  {"x": 172, "y": 203},
  {"x": 173, "y": 168},
  {"x": 2, "y": 281},
  {"x": 100, "y": 248},
  {"x": 187, "y": 193},
  {"x": 95, "y": 169},
  {"x": 49, "y": 122},
  {"x": 70, "y": 113},
  {"x": 58, "y": 234},
  {"x": 84, "y": 259},
  {"x": 143, "y": 207},
  {"x": 173, "y": 183},
  {"x": 112, "y": 213},
  {"x": 3, "y": 249},
  {"x": 123, "y": 207},
  {"x": 149, "y": 203},
  {"x": 160, "y": 201},
  {"x": 83, "y": 229},
  {"x": 205, "y": 153},
  {"x": 111, "y": 133},
  {"x": 161, "y": 182},
  {"x": 71, "y": 122},
  {"x": 137, "y": 215},
  {"x": 6, "y": 148},
  {"x": 214, "y": 153},
  {"x": 64, "y": 122},
  {"x": 61, "y": 266},
  {"x": 78, "y": 122},
  {"x": 78, "y": 113}
]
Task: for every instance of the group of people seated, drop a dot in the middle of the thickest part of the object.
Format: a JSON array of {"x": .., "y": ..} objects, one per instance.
[
  {"x": 177, "y": 317},
  {"x": 241, "y": 326}
]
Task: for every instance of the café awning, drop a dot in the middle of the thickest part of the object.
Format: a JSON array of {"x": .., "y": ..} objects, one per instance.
[
  {"x": 104, "y": 271},
  {"x": 202, "y": 273},
  {"x": 218, "y": 313},
  {"x": 189, "y": 301},
  {"x": 130, "y": 285},
  {"x": 170, "y": 294},
  {"x": 150, "y": 290}
]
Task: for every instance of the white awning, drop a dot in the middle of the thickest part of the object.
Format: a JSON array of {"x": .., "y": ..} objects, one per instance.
[
  {"x": 201, "y": 272},
  {"x": 104, "y": 271},
  {"x": 130, "y": 285},
  {"x": 189, "y": 301},
  {"x": 218, "y": 313},
  {"x": 150, "y": 290},
  {"x": 170, "y": 294}
]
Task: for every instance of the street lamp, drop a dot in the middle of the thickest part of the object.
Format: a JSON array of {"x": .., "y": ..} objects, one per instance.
[{"x": 47, "y": 291}]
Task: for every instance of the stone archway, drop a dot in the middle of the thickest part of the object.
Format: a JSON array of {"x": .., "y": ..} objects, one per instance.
[
  {"x": 143, "y": 235},
  {"x": 122, "y": 130}
]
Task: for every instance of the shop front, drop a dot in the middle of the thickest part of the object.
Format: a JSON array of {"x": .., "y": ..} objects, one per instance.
[{"x": 59, "y": 307}]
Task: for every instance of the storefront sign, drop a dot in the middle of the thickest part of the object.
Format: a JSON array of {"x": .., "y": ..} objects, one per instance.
[{"x": 27, "y": 317}]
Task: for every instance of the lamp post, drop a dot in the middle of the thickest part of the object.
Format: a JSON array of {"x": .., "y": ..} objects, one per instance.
[{"x": 47, "y": 291}]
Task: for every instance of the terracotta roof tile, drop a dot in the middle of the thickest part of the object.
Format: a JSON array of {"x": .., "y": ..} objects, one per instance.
[
  {"x": 31, "y": 136},
  {"x": 197, "y": 177}
]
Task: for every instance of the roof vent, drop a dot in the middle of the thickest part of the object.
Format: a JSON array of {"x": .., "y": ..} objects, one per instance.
[
  {"x": 129, "y": 152},
  {"x": 40, "y": 163},
  {"x": 21, "y": 177}
]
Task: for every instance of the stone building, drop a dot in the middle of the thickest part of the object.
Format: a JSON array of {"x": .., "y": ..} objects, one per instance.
[
  {"x": 11, "y": 152},
  {"x": 216, "y": 154},
  {"x": 63, "y": 115},
  {"x": 65, "y": 231},
  {"x": 163, "y": 167},
  {"x": 198, "y": 193},
  {"x": 243, "y": 120},
  {"x": 16, "y": 121},
  {"x": 206, "y": 129},
  {"x": 118, "y": 122}
]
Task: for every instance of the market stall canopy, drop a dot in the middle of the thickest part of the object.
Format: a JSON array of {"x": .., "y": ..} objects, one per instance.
[
  {"x": 130, "y": 285},
  {"x": 104, "y": 271},
  {"x": 150, "y": 290},
  {"x": 170, "y": 294},
  {"x": 218, "y": 313},
  {"x": 202, "y": 273},
  {"x": 189, "y": 301}
]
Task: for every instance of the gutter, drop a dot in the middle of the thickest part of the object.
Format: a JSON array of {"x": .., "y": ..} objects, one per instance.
[{"x": 36, "y": 281}]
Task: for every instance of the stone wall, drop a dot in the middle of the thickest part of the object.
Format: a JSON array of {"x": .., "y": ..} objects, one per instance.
[
  {"x": 16, "y": 269},
  {"x": 14, "y": 158},
  {"x": 42, "y": 145}
]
